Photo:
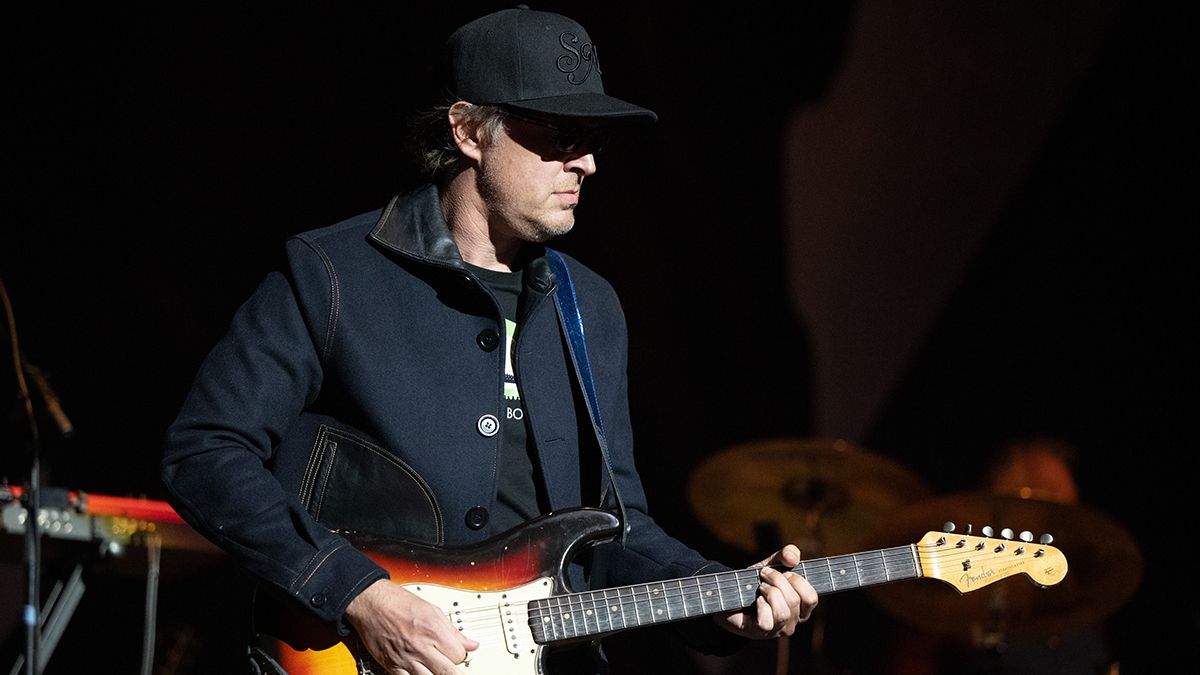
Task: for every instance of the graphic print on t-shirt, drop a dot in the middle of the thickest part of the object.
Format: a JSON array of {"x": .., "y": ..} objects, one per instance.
[{"x": 512, "y": 395}]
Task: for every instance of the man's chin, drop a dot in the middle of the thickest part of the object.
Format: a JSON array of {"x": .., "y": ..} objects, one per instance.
[{"x": 542, "y": 232}]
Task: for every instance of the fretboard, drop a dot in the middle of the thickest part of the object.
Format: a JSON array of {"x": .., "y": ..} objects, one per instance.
[{"x": 581, "y": 615}]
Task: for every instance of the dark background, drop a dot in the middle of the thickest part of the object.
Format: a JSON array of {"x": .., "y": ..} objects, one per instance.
[{"x": 157, "y": 155}]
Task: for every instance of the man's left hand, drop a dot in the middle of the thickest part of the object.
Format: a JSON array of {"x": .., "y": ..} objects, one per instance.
[{"x": 785, "y": 599}]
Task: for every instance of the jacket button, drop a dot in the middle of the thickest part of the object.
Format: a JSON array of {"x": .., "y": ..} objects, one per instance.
[
  {"x": 488, "y": 339},
  {"x": 317, "y": 600},
  {"x": 488, "y": 425},
  {"x": 477, "y": 517}
]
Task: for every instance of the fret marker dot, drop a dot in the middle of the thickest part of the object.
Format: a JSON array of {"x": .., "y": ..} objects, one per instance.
[
  {"x": 659, "y": 612},
  {"x": 588, "y": 612},
  {"x": 566, "y": 616},
  {"x": 842, "y": 573},
  {"x": 613, "y": 608},
  {"x": 708, "y": 593},
  {"x": 545, "y": 619}
]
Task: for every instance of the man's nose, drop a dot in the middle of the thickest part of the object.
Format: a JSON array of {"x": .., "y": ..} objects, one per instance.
[{"x": 584, "y": 165}]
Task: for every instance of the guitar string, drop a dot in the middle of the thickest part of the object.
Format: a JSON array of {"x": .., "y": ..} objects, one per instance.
[
  {"x": 695, "y": 592},
  {"x": 734, "y": 580}
]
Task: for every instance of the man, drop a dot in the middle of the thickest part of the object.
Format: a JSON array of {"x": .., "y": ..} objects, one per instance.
[{"x": 407, "y": 372}]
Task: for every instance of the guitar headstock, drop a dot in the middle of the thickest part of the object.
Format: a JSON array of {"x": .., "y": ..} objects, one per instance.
[{"x": 969, "y": 562}]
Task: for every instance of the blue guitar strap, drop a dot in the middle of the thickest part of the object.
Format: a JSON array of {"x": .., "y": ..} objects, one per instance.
[{"x": 572, "y": 324}]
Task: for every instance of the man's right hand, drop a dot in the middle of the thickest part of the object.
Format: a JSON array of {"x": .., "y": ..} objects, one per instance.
[{"x": 406, "y": 634}]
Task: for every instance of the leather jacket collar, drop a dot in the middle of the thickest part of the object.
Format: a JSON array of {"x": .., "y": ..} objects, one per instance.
[{"x": 413, "y": 225}]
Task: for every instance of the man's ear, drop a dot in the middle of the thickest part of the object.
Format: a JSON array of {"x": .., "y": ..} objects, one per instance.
[{"x": 464, "y": 133}]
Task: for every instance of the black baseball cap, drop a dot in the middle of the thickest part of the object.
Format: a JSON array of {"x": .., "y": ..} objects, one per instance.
[{"x": 533, "y": 61}]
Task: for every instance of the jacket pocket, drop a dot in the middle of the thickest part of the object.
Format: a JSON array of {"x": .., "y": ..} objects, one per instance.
[{"x": 351, "y": 483}]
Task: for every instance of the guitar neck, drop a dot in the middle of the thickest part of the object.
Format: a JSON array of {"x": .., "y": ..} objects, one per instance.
[{"x": 577, "y": 616}]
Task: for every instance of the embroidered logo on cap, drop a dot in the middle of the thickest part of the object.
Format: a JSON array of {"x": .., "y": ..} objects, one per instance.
[{"x": 571, "y": 63}]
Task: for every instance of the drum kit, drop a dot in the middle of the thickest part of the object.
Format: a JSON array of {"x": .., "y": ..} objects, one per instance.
[{"x": 835, "y": 498}]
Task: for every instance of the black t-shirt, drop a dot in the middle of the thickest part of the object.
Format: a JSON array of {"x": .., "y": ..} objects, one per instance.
[{"x": 517, "y": 493}]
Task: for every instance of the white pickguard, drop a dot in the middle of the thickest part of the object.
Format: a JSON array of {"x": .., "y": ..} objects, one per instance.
[{"x": 499, "y": 621}]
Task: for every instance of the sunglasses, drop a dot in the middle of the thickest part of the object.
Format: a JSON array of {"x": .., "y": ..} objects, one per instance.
[{"x": 571, "y": 139}]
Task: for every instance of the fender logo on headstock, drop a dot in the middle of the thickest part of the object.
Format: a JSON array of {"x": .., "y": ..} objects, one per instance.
[{"x": 969, "y": 580}]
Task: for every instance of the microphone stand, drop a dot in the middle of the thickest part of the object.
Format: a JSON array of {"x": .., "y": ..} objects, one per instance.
[
  {"x": 33, "y": 557},
  {"x": 31, "y": 499},
  {"x": 37, "y": 647}
]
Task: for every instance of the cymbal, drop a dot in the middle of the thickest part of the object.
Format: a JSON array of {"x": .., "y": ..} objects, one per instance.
[
  {"x": 1105, "y": 570},
  {"x": 822, "y": 495}
]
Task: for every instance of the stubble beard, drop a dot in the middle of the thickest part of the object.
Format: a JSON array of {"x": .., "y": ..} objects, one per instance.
[{"x": 526, "y": 227}]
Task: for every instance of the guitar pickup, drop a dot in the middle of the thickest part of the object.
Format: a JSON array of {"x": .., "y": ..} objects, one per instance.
[{"x": 508, "y": 624}]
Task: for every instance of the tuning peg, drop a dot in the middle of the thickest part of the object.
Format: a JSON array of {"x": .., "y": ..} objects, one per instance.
[
  {"x": 948, "y": 527},
  {"x": 1046, "y": 539},
  {"x": 1007, "y": 533},
  {"x": 1026, "y": 536},
  {"x": 969, "y": 529},
  {"x": 987, "y": 531}
]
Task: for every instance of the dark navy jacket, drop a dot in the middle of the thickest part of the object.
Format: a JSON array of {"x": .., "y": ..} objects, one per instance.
[{"x": 353, "y": 391}]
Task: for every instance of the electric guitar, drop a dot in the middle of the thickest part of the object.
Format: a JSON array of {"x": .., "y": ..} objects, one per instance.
[{"x": 509, "y": 593}]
